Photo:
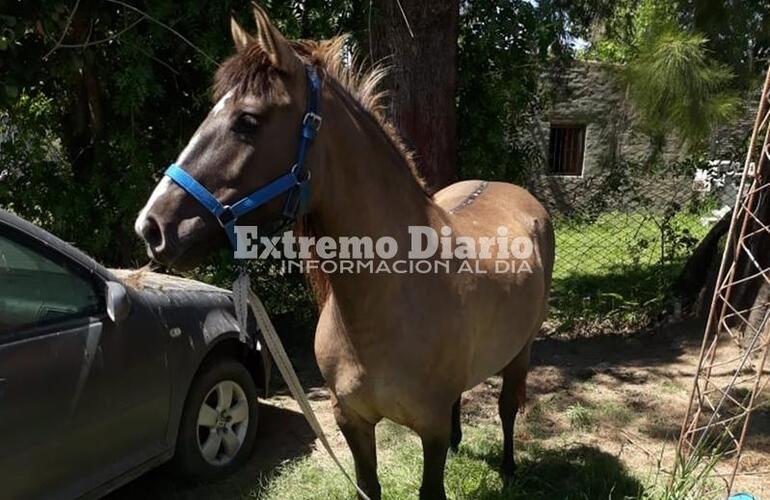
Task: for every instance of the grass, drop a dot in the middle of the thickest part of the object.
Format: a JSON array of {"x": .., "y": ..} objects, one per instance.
[
  {"x": 536, "y": 423},
  {"x": 615, "y": 413},
  {"x": 566, "y": 472},
  {"x": 581, "y": 417},
  {"x": 616, "y": 270},
  {"x": 619, "y": 240}
]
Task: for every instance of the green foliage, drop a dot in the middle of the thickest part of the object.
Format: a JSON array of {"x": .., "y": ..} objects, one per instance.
[
  {"x": 738, "y": 34},
  {"x": 675, "y": 81},
  {"x": 581, "y": 417},
  {"x": 627, "y": 25},
  {"x": 676, "y": 87},
  {"x": 737, "y": 31},
  {"x": 85, "y": 131},
  {"x": 37, "y": 179},
  {"x": 502, "y": 48}
]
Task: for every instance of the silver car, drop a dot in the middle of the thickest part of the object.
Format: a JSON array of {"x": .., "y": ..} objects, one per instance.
[{"x": 107, "y": 374}]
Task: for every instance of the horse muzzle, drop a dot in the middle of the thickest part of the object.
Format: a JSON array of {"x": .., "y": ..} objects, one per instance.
[{"x": 179, "y": 242}]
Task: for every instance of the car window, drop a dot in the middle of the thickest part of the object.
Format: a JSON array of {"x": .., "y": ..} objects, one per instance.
[{"x": 35, "y": 290}]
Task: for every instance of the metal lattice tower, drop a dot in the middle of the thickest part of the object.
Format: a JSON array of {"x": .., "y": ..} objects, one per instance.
[{"x": 731, "y": 373}]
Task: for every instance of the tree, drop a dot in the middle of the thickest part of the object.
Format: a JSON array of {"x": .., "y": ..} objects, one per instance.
[
  {"x": 96, "y": 97},
  {"x": 738, "y": 33},
  {"x": 676, "y": 87},
  {"x": 418, "y": 39},
  {"x": 503, "y": 47},
  {"x": 674, "y": 80}
]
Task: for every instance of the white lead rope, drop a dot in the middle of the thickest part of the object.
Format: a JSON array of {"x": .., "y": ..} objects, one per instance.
[{"x": 244, "y": 296}]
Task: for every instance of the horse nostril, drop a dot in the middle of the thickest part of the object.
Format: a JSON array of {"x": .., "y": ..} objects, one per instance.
[{"x": 152, "y": 233}]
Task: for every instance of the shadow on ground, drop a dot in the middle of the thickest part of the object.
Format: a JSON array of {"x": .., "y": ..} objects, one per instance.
[
  {"x": 282, "y": 435},
  {"x": 648, "y": 347},
  {"x": 575, "y": 472},
  {"x": 580, "y": 472}
]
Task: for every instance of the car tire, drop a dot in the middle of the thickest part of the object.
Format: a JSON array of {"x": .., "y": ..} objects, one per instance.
[{"x": 216, "y": 434}]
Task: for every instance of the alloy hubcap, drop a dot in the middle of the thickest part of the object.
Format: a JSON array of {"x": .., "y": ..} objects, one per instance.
[{"x": 223, "y": 420}]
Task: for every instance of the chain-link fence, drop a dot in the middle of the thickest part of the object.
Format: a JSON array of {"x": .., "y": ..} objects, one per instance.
[{"x": 622, "y": 238}]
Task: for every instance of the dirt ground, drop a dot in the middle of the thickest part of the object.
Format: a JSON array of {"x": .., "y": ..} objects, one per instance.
[{"x": 623, "y": 396}]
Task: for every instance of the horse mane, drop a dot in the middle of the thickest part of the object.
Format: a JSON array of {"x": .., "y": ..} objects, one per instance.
[
  {"x": 250, "y": 71},
  {"x": 339, "y": 59}
]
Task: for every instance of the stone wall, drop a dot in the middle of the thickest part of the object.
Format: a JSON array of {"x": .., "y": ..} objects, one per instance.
[{"x": 590, "y": 94}]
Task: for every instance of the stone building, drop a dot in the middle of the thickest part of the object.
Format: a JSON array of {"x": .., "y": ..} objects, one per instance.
[{"x": 584, "y": 127}]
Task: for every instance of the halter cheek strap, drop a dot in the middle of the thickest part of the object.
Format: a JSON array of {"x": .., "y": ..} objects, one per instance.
[{"x": 296, "y": 182}]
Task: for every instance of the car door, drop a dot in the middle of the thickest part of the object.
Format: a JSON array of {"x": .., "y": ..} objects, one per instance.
[{"x": 67, "y": 384}]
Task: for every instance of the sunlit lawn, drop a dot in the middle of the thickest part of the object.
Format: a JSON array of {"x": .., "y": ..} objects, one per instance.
[
  {"x": 619, "y": 240},
  {"x": 620, "y": 265},
  {"x": 567, "y": 472}
]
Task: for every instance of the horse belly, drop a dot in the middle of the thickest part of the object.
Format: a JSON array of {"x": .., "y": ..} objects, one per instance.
[
  {"x": 492, "y": 358},
  {"x": 502, "y": 329}
]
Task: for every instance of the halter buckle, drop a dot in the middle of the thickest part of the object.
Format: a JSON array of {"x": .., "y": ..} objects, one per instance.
[
  {"x": 296, "y": 172},
  {"x": 226, "y": 216},
  {"x": 313, "y": 119}
]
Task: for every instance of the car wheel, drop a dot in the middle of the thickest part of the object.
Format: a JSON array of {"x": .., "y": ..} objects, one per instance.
[{"x": 219, "y": 422}]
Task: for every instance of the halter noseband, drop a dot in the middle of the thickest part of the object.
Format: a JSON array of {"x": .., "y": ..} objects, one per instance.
[{"x": 296, "y": 182}]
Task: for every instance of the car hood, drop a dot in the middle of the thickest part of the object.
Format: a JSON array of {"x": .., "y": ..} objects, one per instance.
[
  {"x": 142, "y": 279},
  {"x": 179, "y": 302}
]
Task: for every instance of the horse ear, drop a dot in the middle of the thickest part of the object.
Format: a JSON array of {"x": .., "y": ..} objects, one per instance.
[
  {"x": 240, "y": 37},
  {"x": 271, "y": 40}
]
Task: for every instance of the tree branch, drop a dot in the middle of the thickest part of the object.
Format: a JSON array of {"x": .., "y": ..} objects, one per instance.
[
  {"x": 103, "y": 40},
  {"x": 64, "y": 32},
  {"x": 164, "y": 25}
]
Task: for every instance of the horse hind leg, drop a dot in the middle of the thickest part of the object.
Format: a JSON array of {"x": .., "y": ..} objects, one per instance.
[{"x": 512, "y": 397}]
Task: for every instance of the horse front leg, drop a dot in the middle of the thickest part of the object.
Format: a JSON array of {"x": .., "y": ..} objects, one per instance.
[
  {"x": 360, "y": 437},
  {"x": 435, "y": 444}
]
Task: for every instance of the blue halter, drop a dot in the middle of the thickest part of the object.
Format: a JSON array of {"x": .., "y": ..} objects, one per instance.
[{"x": 296, "y": 182}]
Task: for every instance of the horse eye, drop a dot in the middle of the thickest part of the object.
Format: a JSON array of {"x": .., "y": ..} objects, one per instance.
[{"x": 246, "y": 123}]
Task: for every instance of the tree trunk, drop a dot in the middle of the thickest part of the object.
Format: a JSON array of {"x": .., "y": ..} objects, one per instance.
[
  {"x": 698, "y": 273},
  {"x": 750, "y": 294},
  {"x": 420, "y": 45}
]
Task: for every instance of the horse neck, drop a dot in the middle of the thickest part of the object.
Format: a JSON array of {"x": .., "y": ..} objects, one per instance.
[{"x": 368, "y": 189}]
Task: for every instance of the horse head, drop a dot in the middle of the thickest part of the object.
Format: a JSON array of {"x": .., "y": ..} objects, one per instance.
[{"x": 249, "y": 139}]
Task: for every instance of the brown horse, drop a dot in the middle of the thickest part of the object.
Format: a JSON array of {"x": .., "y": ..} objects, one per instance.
[{"x": 396, "y": 346}]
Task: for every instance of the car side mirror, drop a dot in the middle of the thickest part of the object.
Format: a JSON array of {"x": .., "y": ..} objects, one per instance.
[{"x": 118, "y": 302}]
